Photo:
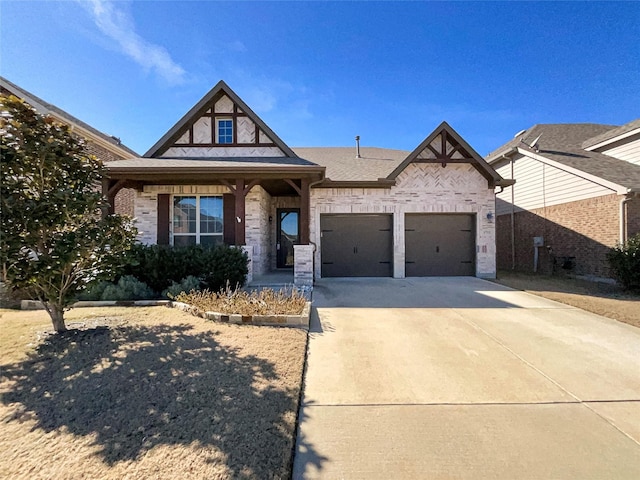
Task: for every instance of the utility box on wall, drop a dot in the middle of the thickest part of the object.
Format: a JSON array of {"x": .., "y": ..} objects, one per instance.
[{"x": 538, "y": 241}]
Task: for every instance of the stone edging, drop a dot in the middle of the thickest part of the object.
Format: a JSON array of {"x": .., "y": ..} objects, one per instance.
[{"x": 300, "y": 321}]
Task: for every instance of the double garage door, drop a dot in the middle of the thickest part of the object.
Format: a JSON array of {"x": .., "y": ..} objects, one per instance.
[{"x": 355, "y": 245}]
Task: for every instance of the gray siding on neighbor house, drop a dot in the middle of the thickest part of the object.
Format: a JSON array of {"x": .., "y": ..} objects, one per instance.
[
  {"x": 627, "y": 150},
  {"x": 539, "y": 184}
]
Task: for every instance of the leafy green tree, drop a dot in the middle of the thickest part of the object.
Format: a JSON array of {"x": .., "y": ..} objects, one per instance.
[{"x": 55, "y": 240}]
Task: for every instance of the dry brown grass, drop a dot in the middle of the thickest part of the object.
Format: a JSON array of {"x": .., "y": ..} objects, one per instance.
[
  {"x": 146, "y": 393},
  {"x": 600, "y": 298},
  {"x": 263, "y": 302}
]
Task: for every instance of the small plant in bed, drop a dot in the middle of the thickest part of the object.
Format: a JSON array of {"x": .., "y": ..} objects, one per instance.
[
  {"x": 241, "y": 302},
  {"x": 624, "y": 261}
]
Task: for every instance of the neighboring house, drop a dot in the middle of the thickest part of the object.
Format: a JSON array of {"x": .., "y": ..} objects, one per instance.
[
  {"x": 104, "y": 147},
  {"x": 221, "y": 175},
  {"x": 577, "y": 188}
]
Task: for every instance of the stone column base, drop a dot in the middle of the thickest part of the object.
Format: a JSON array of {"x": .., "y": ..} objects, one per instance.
[
  {"x": 249, "y": 251},
  {"x": 303, "y": 265}
]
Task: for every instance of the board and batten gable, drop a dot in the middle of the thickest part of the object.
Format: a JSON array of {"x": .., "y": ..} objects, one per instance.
[
  {"x": 197, "y": 134},
  {"x": 197, "y": 139},
  {"x": 540, "y": 184},
  {"x": 419, "y": 188}
]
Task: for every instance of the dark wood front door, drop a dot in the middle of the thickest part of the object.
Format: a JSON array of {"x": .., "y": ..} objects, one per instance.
[{"x": 288, "y": 235}]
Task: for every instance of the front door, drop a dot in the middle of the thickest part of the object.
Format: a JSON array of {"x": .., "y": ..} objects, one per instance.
[{"x": 288, "y": 235}]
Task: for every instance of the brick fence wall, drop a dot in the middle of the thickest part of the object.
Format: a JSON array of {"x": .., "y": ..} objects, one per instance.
[{"x": 585, "y": 230}]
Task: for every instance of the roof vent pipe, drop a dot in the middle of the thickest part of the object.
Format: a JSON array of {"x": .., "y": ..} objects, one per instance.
[{"x": 358, "y": 146}]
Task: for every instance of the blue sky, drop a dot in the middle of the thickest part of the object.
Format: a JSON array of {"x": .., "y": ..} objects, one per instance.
[{"x": 319, "y": 73}]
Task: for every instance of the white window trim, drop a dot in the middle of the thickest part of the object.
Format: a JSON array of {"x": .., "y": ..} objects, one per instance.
[
  {"x": 197, "y": 235},
  {"x": 217, "y": 129}
]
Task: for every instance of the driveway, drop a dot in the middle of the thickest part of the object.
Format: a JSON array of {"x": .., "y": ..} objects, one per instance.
[{"x": 458, "y": 377}]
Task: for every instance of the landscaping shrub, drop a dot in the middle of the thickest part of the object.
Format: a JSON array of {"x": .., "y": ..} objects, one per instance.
[
  {"x": 225, "y": 266},
  {"x": 624, "y": 261},
  {"x": 127, "y": 288},
  {"x": 188, "y": 284},
  {"x": 159, "y": 266},
  {"x": 264, "y": 302},
  {"x": 95, "y": 292}
]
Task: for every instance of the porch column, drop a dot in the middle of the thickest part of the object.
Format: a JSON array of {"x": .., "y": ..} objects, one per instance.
[
  {"x": 110, "y": 189},
  {"x": 239, "y": 221},
  {"x": 305, "y": 210}
]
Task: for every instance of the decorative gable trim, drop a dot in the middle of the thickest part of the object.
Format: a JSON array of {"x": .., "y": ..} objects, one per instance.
[
  {"x": 197, "y": 128},
  {"x": 444, "y": 145}
]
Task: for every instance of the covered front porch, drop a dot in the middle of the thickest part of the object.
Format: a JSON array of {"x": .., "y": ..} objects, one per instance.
[{"x": 262, "y": 207}]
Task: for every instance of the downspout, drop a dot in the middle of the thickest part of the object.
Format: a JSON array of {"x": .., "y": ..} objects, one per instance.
[
  {"x": 512, "y": 214},
  {"x": 623, "y": 216},
  {"x": 315, "y": 247},
  {"x": 513, "y": 220}
]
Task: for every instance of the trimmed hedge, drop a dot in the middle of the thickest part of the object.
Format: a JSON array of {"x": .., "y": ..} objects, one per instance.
[{"x": 160, "y": 266}]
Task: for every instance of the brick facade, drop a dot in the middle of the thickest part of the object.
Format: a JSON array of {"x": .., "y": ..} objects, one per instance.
[
  {"x": 584, "y": 229},
  {"x": 125, "y": 197},
  {"x": 258, "y": 209},
  {"x": 257, "y": 204},
  {"x": 303, "y": 269},
  {"x": 420, "y": 188}
]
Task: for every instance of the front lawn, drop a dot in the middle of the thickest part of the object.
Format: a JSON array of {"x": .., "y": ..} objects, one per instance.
[
  {"x": 146, "y": 393},
  {"x": 601, "y": 298}
]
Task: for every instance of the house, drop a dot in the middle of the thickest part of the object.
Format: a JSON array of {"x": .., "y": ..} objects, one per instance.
[
  {"x": 104, "y": 147},
  {"x": 221, "y": 175},
  {"x": 576, "y": 196}
]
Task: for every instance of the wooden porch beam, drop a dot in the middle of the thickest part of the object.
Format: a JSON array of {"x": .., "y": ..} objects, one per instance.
[
  {"x": 293, "y": 185},
  {"x": 305, "y": 210},
  {"x": 248, "y": 188},
  {"x": 228, "y": 185},
  {"x": 109, "y": 209}
]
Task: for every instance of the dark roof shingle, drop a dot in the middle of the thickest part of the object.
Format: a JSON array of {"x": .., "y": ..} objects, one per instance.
[
  {"x": 47, "y": 108},
  {"x": 563, "y": 143},
  {"x": 612, "y": 133},
  {"x": 342, "y": 164}
]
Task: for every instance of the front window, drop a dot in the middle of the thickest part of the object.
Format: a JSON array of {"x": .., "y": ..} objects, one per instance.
[
  {"x": 197, "y": 219},
  {"x": 224, "y": 131}
]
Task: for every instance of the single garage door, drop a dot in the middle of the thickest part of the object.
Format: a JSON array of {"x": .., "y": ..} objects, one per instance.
[
  {"x": 439, "y": 245},
  {"x": 356, "y": 245}
]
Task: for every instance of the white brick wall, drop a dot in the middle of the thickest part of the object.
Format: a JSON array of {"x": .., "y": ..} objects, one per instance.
[
  {"x": 257, "y": 209},
  {"x": 303, "y": 265},
  {"x": 420, "y": 188},
  {"x": 258, "y": 206},
  {"x": 145, "y": 213}
]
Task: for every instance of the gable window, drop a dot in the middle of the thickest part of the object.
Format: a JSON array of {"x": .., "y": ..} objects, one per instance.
[
  {"x": 197, "y": 219},
  {"x": 224, "y": 130}
]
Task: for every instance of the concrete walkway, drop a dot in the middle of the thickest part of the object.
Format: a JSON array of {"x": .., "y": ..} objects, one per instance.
[{"x": 462, "y": 378}]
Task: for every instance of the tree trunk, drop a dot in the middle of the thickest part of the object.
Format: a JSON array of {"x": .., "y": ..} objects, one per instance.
[{"x": 56, "y": 312}]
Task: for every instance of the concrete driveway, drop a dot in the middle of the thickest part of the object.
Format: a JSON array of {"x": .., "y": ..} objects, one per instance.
[{"x": 442, "y": 378}]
